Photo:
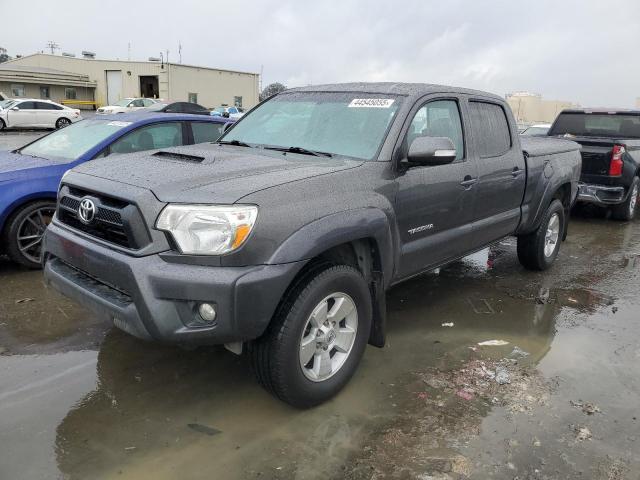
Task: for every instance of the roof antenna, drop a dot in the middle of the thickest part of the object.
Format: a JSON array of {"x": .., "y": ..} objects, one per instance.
[{"x": 53, "y": 46}]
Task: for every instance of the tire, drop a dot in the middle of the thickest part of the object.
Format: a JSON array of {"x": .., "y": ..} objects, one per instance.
[
  {"x": 538, "y": 250},
  {"x": 2, "y": 125},
  {"x": 62, "y": 122},
  {"x": 626, "y": 211},
  {"x": 277, "y": 356},
  {"x": 28, "y": 222}
]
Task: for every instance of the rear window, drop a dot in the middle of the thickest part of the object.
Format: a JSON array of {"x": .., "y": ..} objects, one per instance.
[
  {"x": 489, "y": 122},
  {"x": 583, "y": 124}
]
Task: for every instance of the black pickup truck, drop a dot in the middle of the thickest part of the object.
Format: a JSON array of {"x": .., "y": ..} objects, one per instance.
[
  {"x": 610, "y": 156},
  {"x": 285, "y": 234}
]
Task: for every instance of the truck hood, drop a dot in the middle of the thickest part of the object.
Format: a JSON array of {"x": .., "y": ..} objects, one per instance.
[{"x": 211, "y": 173}]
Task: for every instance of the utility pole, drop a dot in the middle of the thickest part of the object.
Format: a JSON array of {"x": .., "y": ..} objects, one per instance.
[
  {"x": 129, "y": 51},
  {"x": 53, "y": 46},
  {"x": 180, "y": 51}
]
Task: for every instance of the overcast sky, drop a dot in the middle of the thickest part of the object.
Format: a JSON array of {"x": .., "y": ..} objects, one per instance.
[{"x": 583, "y": 51}]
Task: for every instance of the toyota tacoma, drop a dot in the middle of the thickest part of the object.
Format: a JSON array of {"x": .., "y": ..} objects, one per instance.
[{"x": 281, "y": 238}]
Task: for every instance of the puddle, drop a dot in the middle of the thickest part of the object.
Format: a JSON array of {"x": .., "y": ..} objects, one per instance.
[{"x": 428, "y": 405}]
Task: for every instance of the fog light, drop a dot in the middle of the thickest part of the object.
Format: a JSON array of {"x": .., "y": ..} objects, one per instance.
[{"x": 207, "y": 312}]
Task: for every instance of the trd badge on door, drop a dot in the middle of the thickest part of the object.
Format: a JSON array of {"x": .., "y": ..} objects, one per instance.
[{"x": 419, "y": 229}]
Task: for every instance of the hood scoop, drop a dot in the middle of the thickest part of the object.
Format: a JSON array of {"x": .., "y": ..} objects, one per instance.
[{"x": 181, "y": 157}]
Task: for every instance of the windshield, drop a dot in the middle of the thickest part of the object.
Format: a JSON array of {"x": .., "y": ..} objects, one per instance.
[
  {"x": 532, "y": 131},
  {"x": 351, "y": 124},
  {"x": 72, "y": 142},
  {"x": 583, "y": 124},
  {"x": 122, "y": 103},
  {"x": 6, "y": 103}
]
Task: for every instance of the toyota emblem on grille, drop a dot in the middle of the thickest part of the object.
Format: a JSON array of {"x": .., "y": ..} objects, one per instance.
[{"x": 86, "y": 210}]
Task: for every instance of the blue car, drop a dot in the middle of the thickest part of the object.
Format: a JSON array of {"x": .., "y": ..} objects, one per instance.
[{"x": 29, "y": 176}]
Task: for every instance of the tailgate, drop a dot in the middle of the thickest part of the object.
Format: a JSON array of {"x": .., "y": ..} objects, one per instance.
[{"x": 596, "y": 157}]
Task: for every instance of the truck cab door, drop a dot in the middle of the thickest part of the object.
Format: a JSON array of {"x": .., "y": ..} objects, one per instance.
[
  {"x": 501, "y": 169},
  {"x": 434, "y": 204}
]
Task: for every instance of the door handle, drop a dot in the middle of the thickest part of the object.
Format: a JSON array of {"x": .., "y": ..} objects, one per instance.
[
  {"x": 516, "y": 172},
  {"x": 468, "y": 181}
]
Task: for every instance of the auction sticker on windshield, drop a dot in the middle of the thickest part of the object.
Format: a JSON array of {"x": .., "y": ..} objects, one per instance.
[{"x": 371, "y": 103}]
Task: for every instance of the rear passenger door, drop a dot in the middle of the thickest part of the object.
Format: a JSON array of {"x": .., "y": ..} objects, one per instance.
[
  {"x": 48, "y": 113},
  {"x": 501, "y": 171},
  {"x": 434, "y": 204}
]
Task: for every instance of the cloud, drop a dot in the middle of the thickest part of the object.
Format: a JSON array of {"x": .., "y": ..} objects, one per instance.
[{"x": 573, "y": 50}]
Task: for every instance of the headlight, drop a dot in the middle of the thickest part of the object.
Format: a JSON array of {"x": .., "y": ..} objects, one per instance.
[{"x": 208, "y": 229}]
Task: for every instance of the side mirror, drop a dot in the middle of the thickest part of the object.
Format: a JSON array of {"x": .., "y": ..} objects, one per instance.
[
  {"x": 431, "y": 151},
  {"x": 15, "y": 109},
  {"x": 225, "y": 114}
]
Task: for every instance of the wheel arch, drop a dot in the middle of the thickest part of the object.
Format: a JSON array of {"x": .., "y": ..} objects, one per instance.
[{"x": 21, "y": 203}]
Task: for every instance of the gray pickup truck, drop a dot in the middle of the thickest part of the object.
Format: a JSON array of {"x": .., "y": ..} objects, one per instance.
[{"x": 283, "y": 236}]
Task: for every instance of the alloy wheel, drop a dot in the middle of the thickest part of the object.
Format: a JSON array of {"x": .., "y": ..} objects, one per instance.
[
  {"x": 31, "y": 231},
  {"x": 552, "y": 235},
  {"x": 328, "y": 337}
]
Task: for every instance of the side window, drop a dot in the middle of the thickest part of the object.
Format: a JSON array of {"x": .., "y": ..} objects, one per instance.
[
  {"x": 47, "y": 106},
  {"x": 137, "y": 103},
  {"x": 147, "y": 102},
  {"x": 206, "y": 131},
  {"x": 440, "y": 118},
  {"x": 159, "y": 135},
  {"x": 27, "y": 106},
  {"x": 490, "y": 126}
]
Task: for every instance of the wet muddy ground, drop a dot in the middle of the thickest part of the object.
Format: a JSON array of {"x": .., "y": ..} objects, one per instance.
[{"x": 552, "y": 394}]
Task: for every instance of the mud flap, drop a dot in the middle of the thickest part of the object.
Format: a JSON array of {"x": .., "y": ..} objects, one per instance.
[{"x": 378, "y": 334}]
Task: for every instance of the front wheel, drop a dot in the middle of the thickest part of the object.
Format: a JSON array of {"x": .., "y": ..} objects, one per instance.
[
  {"x": 317, "y": 337},
  {"x": 2, "y": 124},
  {"x": 627, "y": 209},
  {"x": 63, "y": 122},
  {"x": 538, "y": 249},
  {"x": 24, "y": 231}
]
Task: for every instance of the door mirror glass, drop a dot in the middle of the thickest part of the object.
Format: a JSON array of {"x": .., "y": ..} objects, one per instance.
[{"x": 431, "y": 151}]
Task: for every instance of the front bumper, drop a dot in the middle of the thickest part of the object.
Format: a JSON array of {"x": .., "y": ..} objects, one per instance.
[
  {"x": 153, "y": 299},
  {"x": 602, "y": 195}
]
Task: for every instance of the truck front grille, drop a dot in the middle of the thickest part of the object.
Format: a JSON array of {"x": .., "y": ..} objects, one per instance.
[{"x": 111, "y": 221}]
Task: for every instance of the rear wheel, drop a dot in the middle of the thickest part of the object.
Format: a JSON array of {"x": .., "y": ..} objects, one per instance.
[
  {"x": 63, "y": 122},
  {"x": 24, "y": 231},
  {"x": 539, "y": 249},
  {"x": 627, "y": 210},
  {"x": 317, "y": 337}
]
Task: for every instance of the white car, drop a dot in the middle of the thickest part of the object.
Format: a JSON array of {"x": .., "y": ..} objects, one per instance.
[
  {"x": 537, "y": 130},
  {"x": 35, "y": 113},
  {"x": 228, "y": 112},
  {"x": 126, "y": 105}
]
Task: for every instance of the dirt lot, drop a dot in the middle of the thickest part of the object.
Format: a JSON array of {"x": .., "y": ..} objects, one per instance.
[{"x": 556, "y": 397}]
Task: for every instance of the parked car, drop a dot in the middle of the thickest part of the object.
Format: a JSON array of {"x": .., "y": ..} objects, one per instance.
[
  {"x": 34, "y": 113},
  {"x": 126, "y": 105},
  {"x": 229, "y": 112},
  {"x": 29, "y": 176},
  {"x": 178, "y": 107},
  {"x": 537, "y": 130},
  {"x": 286, "y": 233},
  {"x": 610, "y": 141}
]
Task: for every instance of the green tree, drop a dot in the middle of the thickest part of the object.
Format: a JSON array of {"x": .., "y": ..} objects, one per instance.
[
  {"x": 4, "y": 56},
  {"x": 272, "y": 89}
]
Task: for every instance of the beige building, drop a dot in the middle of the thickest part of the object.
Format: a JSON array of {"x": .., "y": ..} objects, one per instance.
[
  {"x": 530, "y": 108},
  {"x": 111, "y": 80},
  {"x": 46, "y": 83}
]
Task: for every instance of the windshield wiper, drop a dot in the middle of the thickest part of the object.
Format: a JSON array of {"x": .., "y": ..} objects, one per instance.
[
  {"x": 236, "y": 143},
  {"x": 301, "y": 150}
]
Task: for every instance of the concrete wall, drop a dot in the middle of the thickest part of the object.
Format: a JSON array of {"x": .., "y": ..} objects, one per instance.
[
  {"x": 56, "y": 92},
  {"x": 531, "y": 108},
  {"x": 174, "y": 81},
  {"x": 214, "y": 87}
]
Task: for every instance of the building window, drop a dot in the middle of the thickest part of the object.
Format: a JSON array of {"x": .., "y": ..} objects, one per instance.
[
  {"x": 70, "y": 93},
  {"x": 237, "y": 101},
  {"x": 193, "y": 98},
  {"x": 17, "y": 90},
  {"x": 44, "y": 91}
]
